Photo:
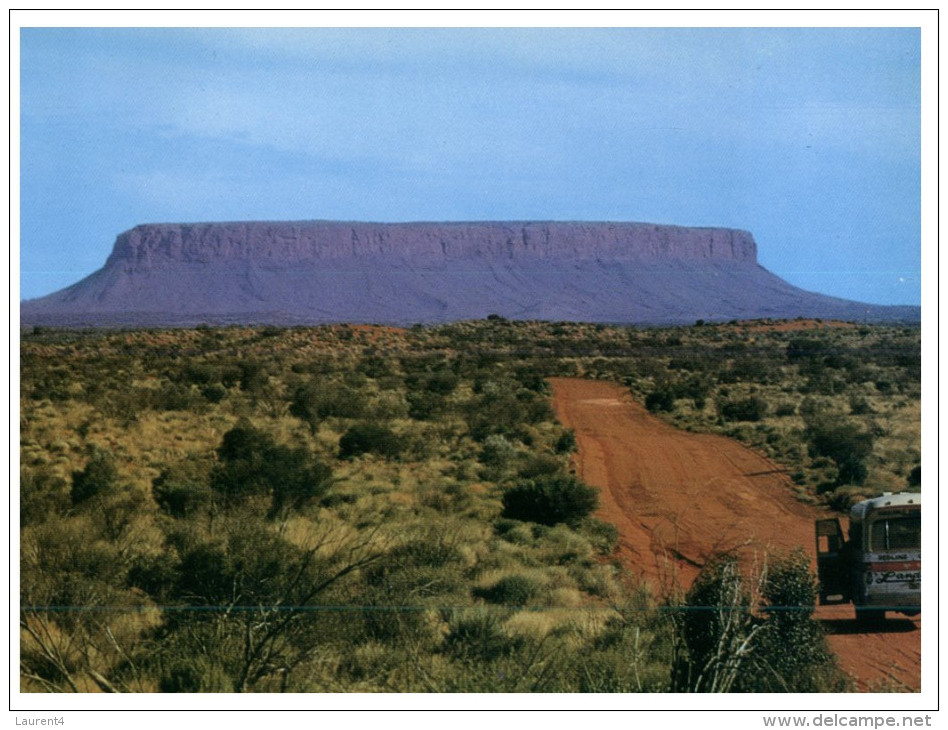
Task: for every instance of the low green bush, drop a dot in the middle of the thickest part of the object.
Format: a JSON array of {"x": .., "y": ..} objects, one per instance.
[
  {"x": 745, "y": 409},
  {"x": 845, "y": 442},
  {"x": 42, "y": 493},
  {"x": 181, "y": 499},
  {"x": 478, "y": 635},
  {"x": 540, "y": 465},
  {"x": 252, "y": 464},
  {"x": 915, "y": 476},
  {"x": 660, "y": 400},
  {"x": 424, "y": 405},
  {"x": 214, "y": 393},
  {"x": 194, "y": 674},
  {"x": 603, "y": 535},
  {"x": 183, "y": 489},
  {"x": 369, "y": 438},
  {"x": 791, "y": 650},
  {"x": 99, "y": 476},
  {"x": 511, "y": 590},
  {"x": 323, "y": 398},
  {"x": 566, "y": 443},
  {"x": 549, "y": 500},
  {"x": 497, "y": 451}
]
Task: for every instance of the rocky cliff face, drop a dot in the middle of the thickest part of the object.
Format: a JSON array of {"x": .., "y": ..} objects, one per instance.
[
  {"x": 318, "y": 272},
  {"x": 432, "y": 243}
]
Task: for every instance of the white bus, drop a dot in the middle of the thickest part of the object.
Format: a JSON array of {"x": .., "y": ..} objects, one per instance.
[{"x": 879, "y": 568}]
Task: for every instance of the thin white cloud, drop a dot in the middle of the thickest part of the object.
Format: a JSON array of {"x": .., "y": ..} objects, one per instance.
[{"x": 415, "y": 97}]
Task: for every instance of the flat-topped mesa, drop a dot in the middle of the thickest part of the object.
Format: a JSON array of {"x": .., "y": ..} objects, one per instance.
[
  {"x": 315, "y": 272},
  {"x": 295, "y": 242}
]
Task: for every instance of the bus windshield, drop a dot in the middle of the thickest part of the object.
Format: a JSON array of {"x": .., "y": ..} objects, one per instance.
[{"x": 902, "y": 532}]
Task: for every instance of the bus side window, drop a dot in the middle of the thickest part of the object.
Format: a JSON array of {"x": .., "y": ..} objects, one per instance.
[
  {"x": 905, "y": 533},
  {"x": 895, "y": 533}
]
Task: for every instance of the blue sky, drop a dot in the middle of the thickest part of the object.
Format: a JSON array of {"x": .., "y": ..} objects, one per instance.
[{"x": 809, "y": 138}]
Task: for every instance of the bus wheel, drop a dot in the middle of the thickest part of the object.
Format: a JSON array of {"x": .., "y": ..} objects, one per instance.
[{"x": 870, "y": 616}]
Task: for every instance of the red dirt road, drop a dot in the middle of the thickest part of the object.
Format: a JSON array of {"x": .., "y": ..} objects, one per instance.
[{"x": 678, "y": 498}]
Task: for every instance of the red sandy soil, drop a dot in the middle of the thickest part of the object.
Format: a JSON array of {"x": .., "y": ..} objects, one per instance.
[
  {"x": 376, "y": 329},
  {"x": 678, "y": 498},
  {"x": 790, "y": 325}
]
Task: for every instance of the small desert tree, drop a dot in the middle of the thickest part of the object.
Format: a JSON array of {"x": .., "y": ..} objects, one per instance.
[
  {"x": 369, "y": 438},
  {"x": 845, "y": 443},
  {"x": 98, "y": 477},
  {"x": 252, "y": 597},
  {"x": 252, "y": 464}
]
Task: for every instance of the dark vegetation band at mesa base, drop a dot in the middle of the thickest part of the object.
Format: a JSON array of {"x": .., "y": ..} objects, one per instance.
[
  {"x": 349, "y": 508},
  {"x": 318, "y": 272}
]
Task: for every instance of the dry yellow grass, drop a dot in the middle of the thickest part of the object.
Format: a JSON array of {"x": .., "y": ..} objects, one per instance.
[{"x": 437, "y": 493}]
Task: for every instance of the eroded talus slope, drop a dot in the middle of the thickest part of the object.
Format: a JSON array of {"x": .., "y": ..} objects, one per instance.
[{"x": 678, "y": 498}]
